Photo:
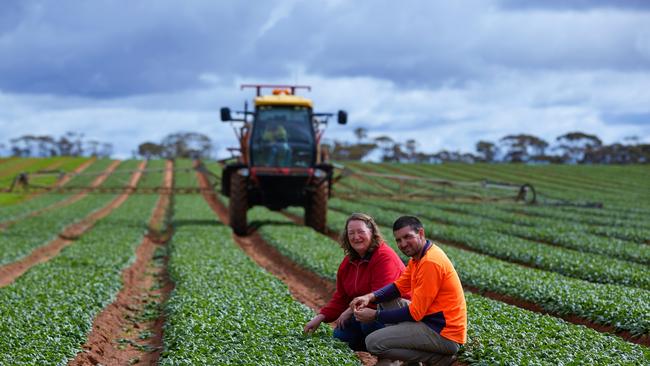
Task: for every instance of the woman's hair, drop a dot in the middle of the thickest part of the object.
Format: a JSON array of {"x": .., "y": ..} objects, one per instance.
[{"x": 375, "y": 237}]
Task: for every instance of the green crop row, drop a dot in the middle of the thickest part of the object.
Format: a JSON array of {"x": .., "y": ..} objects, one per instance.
[
  {"x": 593, "y": 268},
  {"x": 292, "y": 239},
  {"x": 152, "y": 176},
  {"x": 25, "y": 235},
  {"x": 545, "y": 340},
  {"x": 628, "y": 183},
  {"x": 429, "y": 188},
  {"x": 13, "y": 166},
  {"x": 44, "y": 200},
  {"x": 500, "y": 334},
  {"x": 46, "y": 314},
  {"x": 594, "y": 217},
  {"x": 620, "y": 306},
  {"x": 623, "y": 242},
  {"x": 227, "y": 310},
  {"x": 184, "y": 175},
  {"x": 497, "y": 239},
  {"x": 475, "y": 172},
  {"x": 32, "y": 165},
  {"x": 569, "y": 235}
]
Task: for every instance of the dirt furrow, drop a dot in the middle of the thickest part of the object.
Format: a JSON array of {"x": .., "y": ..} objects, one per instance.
[
  {"x": 70, "y": 200},
  {"x": 304, "y": 285},
  {"x": 130, "y": 330},
  {"x": 10, "y": 272},
  {"x": 66, "y": 178}
]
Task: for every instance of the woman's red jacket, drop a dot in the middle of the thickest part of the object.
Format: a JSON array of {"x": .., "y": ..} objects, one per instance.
[{"x": 361, "y": 276}]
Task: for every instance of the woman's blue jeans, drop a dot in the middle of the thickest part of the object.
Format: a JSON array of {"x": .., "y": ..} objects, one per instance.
[{"x": 355, "y": 332}]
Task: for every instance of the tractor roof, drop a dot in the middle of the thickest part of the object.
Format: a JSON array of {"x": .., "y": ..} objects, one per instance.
[{"x": 282, "y": 98}]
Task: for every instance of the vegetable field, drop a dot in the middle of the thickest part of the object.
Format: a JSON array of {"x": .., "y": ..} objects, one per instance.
[{"x": 124, "y": 278}]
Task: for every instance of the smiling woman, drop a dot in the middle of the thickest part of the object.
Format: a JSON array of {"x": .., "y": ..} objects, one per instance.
[{"x": 369, "y": 264}]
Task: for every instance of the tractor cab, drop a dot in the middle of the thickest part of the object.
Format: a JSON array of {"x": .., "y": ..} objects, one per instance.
[
  {"x": 280, "y": 162},
  {"x": 282, "y": 136}
]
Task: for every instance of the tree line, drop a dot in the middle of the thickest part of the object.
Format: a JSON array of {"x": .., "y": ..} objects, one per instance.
[
  {"x": 175, "y": 145},
  {"x": 69, "y": 144},
  {"x": 570, "y": 148},
  {"x": 573, "y": 148},
  {"x": 191, "y": 145}
]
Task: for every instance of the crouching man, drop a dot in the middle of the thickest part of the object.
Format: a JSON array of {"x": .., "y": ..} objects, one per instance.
[{"x": 434, "y": 325}]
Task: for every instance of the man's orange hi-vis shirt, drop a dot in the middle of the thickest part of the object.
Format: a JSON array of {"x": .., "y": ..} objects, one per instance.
[{"x": 437, "y": 297}]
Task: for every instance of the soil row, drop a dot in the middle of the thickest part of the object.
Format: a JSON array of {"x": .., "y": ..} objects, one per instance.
[
  {"x": 130, "y": 330},
  {"x": 10, "y": 272},
  {"x": 70, "y": 200}
]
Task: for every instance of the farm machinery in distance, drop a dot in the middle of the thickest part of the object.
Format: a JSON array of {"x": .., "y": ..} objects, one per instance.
[{"x": 279, "y": 160}]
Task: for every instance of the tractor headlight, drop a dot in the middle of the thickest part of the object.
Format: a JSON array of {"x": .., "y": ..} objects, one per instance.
[{"x": 244, "y": 172}]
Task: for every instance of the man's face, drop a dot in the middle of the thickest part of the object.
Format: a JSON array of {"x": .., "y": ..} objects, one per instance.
[{"x": 410, "y": 242}]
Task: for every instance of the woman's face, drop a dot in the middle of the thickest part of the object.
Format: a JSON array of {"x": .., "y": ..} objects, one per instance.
[{"x": 359, "y": 236}]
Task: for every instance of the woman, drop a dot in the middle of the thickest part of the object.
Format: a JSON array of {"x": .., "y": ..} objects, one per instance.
[{"x": 369, "y": 265}]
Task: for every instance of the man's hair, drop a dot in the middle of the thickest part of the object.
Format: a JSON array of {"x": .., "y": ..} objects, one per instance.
[
  {"x": 411, "y": 221},
  {"x": 375, "y": 239}
]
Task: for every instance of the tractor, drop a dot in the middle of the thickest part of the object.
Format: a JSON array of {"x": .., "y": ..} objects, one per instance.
[{"x": 279, "y": 161}]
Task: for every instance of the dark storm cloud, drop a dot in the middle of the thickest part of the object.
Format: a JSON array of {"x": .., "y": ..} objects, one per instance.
[
  {"x": 110, "y": 48},
  {"x": 101, "y": 49},
  {"x": 449, "y": 44}
]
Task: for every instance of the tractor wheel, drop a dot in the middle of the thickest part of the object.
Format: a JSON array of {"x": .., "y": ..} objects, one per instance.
[
  {"x": 238, "y": 203},
  {"x": 316, "y": 208}
]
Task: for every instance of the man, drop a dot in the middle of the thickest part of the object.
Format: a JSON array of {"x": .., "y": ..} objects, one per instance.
[
  {"x": 434, "y": 325},
  {"x": 275, "y": 136}
]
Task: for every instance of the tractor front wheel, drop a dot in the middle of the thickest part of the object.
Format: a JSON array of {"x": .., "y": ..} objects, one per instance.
[
  {"x": 316, "y": 208},
  {"x": 238, "y": 203}
]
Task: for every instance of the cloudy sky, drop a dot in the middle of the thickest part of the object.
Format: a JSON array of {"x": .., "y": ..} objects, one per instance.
[{"x": 444, "y": 73}]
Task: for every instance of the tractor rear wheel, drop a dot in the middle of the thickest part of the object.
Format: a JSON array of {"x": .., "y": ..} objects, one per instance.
[
  {"x": 238, "y": 203},
  {"x": 316, "y": 208}
]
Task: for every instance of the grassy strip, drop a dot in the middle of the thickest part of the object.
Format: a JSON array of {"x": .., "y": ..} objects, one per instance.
[
  {"x": 622, "y": 307},
  {"x": 492, "y": 325},
  {"x": 227, "y": 310},
  {"x": 46, "y": 314}
]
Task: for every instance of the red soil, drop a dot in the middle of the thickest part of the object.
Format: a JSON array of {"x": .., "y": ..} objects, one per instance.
[{"x": 117, "y": 332}]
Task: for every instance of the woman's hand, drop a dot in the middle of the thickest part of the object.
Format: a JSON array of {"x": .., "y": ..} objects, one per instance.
[
  {"x": 340, "y": 322},
  {"x": 365, "y": 315},
  {"x": 314, "y": 323}
]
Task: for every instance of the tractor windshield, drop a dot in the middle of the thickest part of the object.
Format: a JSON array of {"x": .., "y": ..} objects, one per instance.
[{"x": 282, "y": 137}]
